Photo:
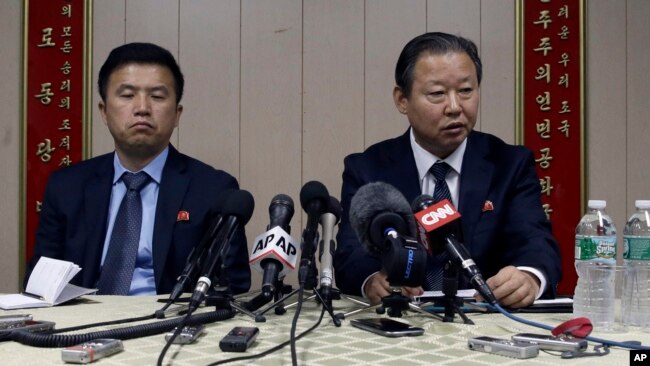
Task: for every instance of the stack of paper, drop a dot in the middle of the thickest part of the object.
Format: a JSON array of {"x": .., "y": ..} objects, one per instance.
[{"x": 48, "y": 285}]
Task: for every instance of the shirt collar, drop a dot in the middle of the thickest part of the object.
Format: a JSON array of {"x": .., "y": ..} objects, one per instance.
[
  {"x": 424, "y": 159},
  {"x": 154, "y": 168}
]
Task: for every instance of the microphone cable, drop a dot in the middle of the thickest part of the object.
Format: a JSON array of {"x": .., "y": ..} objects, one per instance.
[
  {"x": 177, "y": 332},
  {"x": 294, "y": 323},
  {"x": 275, "y": 348},
  {"x": 136, "y": 331},
  {"x": 159, "y": 314},
  {"x": 605, "y": 342}
]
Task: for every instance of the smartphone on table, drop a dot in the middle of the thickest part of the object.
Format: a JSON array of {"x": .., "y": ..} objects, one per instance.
[{"x": 387, "y": 327}]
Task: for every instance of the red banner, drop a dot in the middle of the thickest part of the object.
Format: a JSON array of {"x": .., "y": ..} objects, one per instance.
[
  {"x": 551, "y": 113},
  {"x": 54, "y": 90}
]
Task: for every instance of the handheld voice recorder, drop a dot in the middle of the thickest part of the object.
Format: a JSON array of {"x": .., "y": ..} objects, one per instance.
[{"x": 503, "y": 347}]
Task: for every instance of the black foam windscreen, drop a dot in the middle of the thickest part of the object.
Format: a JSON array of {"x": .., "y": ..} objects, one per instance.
[
  {"x": 334, "y": 207},
  {"x": 240, "y": 203},
  {"x": 311, "y": 191}
]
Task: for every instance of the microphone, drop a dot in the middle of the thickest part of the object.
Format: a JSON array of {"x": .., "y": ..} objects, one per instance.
[
  {"x": 383, "y": 221},
  {"x": 441, "y": 221},
  {"x": 275, "y": 250},
  {"x": 198, "y": 253},
  {"x": 328, "y": 220},
  {"x": 313, "y": 199},
  {"x": 238, "y": 209},
  {"x": 375, "y": 209}
]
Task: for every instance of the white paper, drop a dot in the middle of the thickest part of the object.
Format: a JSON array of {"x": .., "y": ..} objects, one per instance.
[
  {"x": 49, "y": 281},
  {"x": 49, "y": 277}
]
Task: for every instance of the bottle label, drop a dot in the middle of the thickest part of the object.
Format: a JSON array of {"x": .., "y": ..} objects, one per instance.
[
  {"x": 595, "y": 247},
  {"x": 637, "y": 248}
]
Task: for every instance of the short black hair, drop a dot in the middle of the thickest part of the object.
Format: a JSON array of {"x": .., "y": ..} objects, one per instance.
[
  {"x": 433, "y": 43},
  {"x": 140, "y": 53}
]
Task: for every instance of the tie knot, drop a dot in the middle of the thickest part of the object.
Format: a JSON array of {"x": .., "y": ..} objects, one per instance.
[
  {"x": 135, "y": 181},
  {"x": 440, "y": 170}
]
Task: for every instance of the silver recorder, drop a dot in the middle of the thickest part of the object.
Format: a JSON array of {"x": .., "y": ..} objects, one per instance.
[
  {"x": 188, "y": 335},
  {"x": 551, "y": 343},
  {"x": 88, "y": 352},
  {"x": 503, "y": 347}
]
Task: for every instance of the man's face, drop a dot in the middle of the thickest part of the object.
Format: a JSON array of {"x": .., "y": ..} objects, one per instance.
[
  {"x": 443, "y": 104},
  {"x": 140, "y": 109}
]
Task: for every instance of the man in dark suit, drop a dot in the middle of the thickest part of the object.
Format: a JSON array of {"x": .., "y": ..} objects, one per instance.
[
  {"x": 493, "y": 184},
  {"x": 141, "y": 87}
]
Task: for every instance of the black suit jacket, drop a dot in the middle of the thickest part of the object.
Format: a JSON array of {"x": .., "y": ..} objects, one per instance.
[
  {"x": 74, "y": 218},
  {"x": 516, "y": 232}
]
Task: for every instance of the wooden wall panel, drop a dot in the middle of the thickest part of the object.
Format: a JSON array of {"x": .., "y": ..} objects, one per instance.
[
  {"x": 10, "y": 102},
  {"x": 209, "y": 55},
  {"x": 332, "y": 88},
  {"x": 638, "y": 91},
  {"x": 605, "y": 122},
  {"x": 497, "y": 113},
  {"x": 389, "y": 26},
  {"x": 271, "y": 106},
  {"x": 109, "y": 31}
]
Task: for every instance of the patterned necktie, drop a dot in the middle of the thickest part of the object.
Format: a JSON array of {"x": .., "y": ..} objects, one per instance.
[
  {"x": 435, "y": 264},
  {"x": 439, "y": 171},
  {"x": 117, "y": 271}
]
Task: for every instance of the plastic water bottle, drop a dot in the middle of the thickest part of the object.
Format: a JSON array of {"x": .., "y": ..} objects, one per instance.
[
  {"x": 595, "y": 261},
  {"x": 636, "y": 291}
]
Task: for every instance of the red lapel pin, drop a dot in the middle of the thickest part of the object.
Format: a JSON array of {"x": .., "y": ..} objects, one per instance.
[
  {"x": 183, "y": 216},
  {"x": 487, "y": 206}
]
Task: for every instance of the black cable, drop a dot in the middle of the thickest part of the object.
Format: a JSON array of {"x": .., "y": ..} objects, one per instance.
[
  {"x": 93, "y": 325},
  {"x": 160, "y": 314},
  {"x": 273, "y": 349},
  {"x": 141, "y": 330},
  {"x": 170, "y": 341},
  {"x": 294, "y": 324}
]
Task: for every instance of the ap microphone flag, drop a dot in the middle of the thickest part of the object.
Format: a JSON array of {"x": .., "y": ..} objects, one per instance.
[{"x": 277, "y": 244}]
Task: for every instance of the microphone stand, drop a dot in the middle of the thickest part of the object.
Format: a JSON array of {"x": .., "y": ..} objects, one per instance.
[
  {"x": 311, "y": 280},
  {"x": 450, "y": 276},
  {"x": 221, "y": 297},
  {"x": 280, "y": 293},
  {"x": 220, "y": 294},
  {"x": 394, "y": 304}
]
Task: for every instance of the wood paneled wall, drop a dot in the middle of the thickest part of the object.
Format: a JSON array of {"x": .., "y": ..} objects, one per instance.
[{"x": 279, "y": 92}]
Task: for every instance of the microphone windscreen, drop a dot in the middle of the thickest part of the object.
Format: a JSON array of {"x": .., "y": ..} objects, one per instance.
[
  {"x": 220, "y": 203},
  {"x": 313, "y": 190},
  {"x": 421, "y": 202},
  {"x": 374, "y": 199},
  {"x": 334, "y": 207},
  {"x": 240, "y": 203}
]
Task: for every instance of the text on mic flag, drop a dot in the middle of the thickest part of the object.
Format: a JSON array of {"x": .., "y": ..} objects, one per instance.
[
  {"x": 436, "y": 215},
  {"x": 277, "y": 243}
]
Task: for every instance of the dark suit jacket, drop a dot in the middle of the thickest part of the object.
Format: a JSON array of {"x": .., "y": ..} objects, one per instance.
[
  {"x": 74, "y": 218},
  {"x": 515, "y": 233}
]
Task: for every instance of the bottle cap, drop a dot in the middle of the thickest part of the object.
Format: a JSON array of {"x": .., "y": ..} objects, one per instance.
[
  {"x": 642, "y": 204},
  {"x": 597, "y": 204}
]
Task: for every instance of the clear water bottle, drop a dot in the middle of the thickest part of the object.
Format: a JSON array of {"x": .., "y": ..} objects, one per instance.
[
  {"x": 595, "y": 262},
  {"x": 636, "y": 291}
]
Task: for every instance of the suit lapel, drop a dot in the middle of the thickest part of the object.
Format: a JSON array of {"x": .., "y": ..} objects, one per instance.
[
  {"x": 402, "y": 172},
  {"x": 475, "y": 182},
  {"x": 172, "y": 190},
  {"x": 97, "y": 195}
]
